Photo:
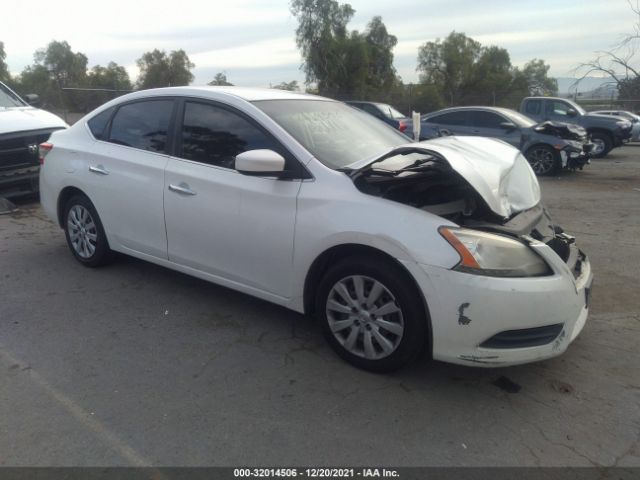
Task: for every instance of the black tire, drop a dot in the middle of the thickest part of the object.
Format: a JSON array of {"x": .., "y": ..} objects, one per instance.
[
  {"x": 96, "y": 251},
  {"x": 544, "y": 160},
  {"x": 400, "y": 290},
  {"x": 603, "y": 139}
]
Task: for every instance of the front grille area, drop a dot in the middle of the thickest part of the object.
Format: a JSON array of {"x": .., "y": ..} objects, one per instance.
[
  {"x": 20, "y": 151},
  {"x": 525, "y": 337}
]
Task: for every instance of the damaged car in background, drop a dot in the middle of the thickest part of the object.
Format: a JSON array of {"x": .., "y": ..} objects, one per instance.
[
  {"x": 22, "y": 128},
  {"x": 548, "y": 146},
  {"x": 441, "y": 247}
]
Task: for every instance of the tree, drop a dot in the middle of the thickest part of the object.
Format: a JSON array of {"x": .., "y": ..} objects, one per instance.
[
  {"x": 157, "y": 69},
  {"x": 343, "y": 63},
  {"x": 535, "y": 73},
  {"x": 465, "y": 72},
  {"x": 220, "y": 80},
  {"x": 290, "y": 86},
  {"x": 381, "y": 75},
  {"x": 4, "y": 69},
  {"x": 449, "y": 64},
  {"x": 113, "y": 79},
  {"x": 66, "y": 67},
  {"x": 620, "y": 63}
]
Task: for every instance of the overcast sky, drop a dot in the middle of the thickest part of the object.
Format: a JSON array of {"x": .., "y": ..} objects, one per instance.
[{"x": 253, "y": 40}]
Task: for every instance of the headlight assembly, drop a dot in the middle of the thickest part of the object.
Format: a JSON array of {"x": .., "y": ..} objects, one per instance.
[{"x": 493, "y": 255}]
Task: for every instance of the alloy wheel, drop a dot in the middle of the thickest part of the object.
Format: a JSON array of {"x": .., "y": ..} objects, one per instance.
[
  {"x": 83, "y": 233},
  {"x": 364, "y": 317},
  {"x": 542, "y": 160}
]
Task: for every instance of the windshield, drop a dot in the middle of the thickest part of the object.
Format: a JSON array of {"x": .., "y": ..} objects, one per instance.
[
  {"x": 8, "y": 99},
  {"x": 334, "y": 133},
  {"x": 395, "y": 114},
  {"x": 519, "y": 119}
]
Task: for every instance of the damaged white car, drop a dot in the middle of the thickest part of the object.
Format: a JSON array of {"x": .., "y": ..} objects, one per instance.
[{"x": 399, "y": 249}]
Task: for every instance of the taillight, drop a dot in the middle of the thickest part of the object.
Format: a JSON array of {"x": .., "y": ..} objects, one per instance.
[
  {"x": 403, "y": 126},
  {"x": 43, "y": 149}
]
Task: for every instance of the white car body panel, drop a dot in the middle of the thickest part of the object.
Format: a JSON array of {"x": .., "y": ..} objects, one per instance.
[
  {"x": 261, "y": 236},
  {"x": 17, "y": 119}
]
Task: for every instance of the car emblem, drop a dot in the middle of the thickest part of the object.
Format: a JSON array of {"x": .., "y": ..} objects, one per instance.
[{"x": 33, "y": 149}]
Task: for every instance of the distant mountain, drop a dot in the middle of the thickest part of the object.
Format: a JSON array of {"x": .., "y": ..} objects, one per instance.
[{"x": 586, "y": 84}]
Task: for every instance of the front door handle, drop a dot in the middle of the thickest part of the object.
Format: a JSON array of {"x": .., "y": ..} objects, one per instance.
[
  {"x": 182, "y": 187},
  {"x": 99, "y": 170}
]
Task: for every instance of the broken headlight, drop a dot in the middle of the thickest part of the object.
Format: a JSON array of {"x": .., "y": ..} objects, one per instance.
[{"x": 494, "y": 255}]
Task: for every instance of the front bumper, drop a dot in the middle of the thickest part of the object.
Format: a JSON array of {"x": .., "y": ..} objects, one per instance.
[
  {"x": 467, "y": 310},
  {"x": 574, "y": 158},
  {"x": 19, "y": 181}
]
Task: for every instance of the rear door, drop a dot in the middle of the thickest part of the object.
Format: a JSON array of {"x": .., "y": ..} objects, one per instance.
[
  {"x": 125, "y": 175},
  {"x": 454, "y": 122},
  {"x": 219, "y": 221}
]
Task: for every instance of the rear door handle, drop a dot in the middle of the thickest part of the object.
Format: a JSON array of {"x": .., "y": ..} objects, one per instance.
[
  {"x": 182, "y": 187},
  {"x": 99, "y": 170}
]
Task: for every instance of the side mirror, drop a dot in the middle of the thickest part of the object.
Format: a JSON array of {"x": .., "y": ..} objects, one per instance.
[
  {"x": 571, "y": 112},
  {"x": 263, "y": 163},
  {"x": 508, "y": 126},
  {"x": 32, "y": 99}
]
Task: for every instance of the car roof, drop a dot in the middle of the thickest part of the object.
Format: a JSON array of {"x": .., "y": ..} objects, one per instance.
[
  {"x": 504, "y": 111},
  {"x": 245, "y": 93}
]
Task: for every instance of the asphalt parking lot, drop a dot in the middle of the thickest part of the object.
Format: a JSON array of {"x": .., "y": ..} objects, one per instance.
[{"x": 133, "y": 364}]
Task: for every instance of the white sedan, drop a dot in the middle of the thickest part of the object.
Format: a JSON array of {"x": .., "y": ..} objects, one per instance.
[{"x": 441, "y": 247}]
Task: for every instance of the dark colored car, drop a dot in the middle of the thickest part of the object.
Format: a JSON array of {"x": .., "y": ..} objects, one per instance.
[
  {"x": 384, "y": 112},
  {"x": 548, "y": 146},
  {"x": 22, "y": 128},
  {"x": 606, "y": 132}
]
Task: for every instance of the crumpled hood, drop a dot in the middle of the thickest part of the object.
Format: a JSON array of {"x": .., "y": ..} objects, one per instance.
[
  {"x": 27, "y": 118},
  {"x": 496, "y": 170}
]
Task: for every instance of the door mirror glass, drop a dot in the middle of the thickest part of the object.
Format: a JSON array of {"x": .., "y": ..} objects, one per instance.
[
  {"x": 32, "y": 99},
  {"x": 262, "y": 162},
  {"x": 571, "y": 112}
]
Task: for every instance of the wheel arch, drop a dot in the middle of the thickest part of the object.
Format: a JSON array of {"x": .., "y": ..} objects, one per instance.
[
  {"x": 63, "y": 198},
  {"x": 333, "y": 254}
]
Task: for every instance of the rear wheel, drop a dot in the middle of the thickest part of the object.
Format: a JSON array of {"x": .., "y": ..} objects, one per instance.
[
  {"x": 543, "y": 159},
  {"x": 602, "y": 144},
  {"x": 85, "y": 235},
  {"x": 372, "y": 313}
]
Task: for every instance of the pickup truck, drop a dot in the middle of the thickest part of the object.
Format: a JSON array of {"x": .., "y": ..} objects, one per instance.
[
  {"x": 22, "y": 128},
  {"x": 606, "y": 132}
]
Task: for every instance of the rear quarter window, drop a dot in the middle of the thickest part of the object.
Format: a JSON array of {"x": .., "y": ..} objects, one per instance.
[{"x": 98, "y": 124}]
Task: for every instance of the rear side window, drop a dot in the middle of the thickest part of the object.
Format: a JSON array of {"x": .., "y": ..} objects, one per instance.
[
  {"x": 533, "y": 107},
  {"x": 142, "y": 125},
  {"x": 214, "y": 135},
  {"x": 451, "y": 118},
  {"x": 98, "y": 124},
  {"x": 483, "y": 119}
]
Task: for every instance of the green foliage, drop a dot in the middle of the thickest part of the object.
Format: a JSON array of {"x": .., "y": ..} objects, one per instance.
[
  {"x": 220, "y": 80},
  {"x": 340, "y": 63},
  {"x": 629, "y": 88},
  {"x": 539, "y": 83},
  {"x": 4, "y": 69},
  {"x": 464, "y": 72},
  {"x": 113, "y": 79},
  {"x": 290, "y": 86},
  {"x": 157, "y": 69}
]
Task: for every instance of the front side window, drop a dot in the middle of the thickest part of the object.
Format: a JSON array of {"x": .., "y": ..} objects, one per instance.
[
  {"x": 142, "y": 125},
  {"x": 482, "y": 119},
  {"x": 215, "y": 135},
  {"x": 558, "y": 108},
  {"x": 8, "y": 99}
]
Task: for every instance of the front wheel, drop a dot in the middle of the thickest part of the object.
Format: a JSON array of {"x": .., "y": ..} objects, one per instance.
[
  {"x": 602, "y": 144},
  {"x": 543, "y": 159},
  {"x": 85, "y": 235},
  {"x": 372, "y": 314}
]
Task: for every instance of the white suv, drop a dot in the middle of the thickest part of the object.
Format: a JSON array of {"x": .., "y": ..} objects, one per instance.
[{"x": 440, "y": 247}]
